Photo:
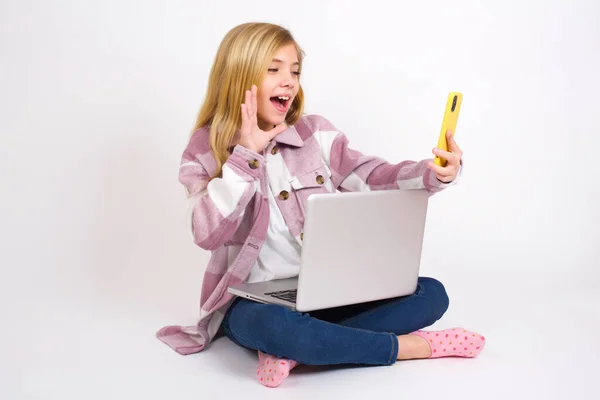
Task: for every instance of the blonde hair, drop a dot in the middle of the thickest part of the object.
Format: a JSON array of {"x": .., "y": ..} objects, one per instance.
[{"x": 241, "y": 61}]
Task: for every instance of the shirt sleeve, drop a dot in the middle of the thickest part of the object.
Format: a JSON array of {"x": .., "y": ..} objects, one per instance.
[
  {"x": 354, "y": 171},
  {"x": 216, "y": 207}
]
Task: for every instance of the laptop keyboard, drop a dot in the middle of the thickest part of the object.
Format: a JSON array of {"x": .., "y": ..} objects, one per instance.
[{"x": 287, "y": 295}]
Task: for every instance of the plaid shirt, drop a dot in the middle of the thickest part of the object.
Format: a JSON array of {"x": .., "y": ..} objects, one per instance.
[{"x": 232, "y": 212}]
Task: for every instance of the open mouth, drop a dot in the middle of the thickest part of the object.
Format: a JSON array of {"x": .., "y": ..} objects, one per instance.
[{"x": 281, "y": 103}]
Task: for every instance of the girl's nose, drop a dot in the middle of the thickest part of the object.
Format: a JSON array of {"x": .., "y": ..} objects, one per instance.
[{"x": 288, "y": 81}]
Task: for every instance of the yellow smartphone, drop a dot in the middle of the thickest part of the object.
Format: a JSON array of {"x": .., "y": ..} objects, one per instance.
[{"x": 449, "y": 123}]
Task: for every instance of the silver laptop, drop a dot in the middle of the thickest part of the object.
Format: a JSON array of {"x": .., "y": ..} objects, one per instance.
[{"x": 358, "y": 247}]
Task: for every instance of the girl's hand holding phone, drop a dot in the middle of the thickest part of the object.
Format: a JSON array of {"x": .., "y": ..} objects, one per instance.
[{"x": 453, "y": 157}]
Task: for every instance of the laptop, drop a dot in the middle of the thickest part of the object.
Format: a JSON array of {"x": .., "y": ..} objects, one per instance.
[{"x": 358, "y": 247}]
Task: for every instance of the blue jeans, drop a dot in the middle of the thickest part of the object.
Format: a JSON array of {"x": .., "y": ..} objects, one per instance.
[{"x": 356, "y": 334}]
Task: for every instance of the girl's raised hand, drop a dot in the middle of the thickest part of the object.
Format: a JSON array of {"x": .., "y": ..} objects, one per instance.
[{"x": 251, "y": 136}]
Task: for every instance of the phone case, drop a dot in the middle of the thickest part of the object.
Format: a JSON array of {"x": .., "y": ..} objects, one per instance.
[{"x": 449, "y": 123}]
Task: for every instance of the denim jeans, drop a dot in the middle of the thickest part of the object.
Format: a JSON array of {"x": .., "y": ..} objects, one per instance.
[{"x": 356, "y": 334}]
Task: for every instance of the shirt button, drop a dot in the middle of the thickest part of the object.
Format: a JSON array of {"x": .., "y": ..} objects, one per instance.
[
  {"x": 274, "y": 150},
  {"x": 253, "y": 164},
  {"x": 301, "y": 235},
  {"x": 320, "y": 180},
  {"x": 284, "y": 195}
]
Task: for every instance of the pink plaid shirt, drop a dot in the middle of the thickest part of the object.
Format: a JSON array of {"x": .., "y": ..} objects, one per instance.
[{"x": 230, "y": 215}]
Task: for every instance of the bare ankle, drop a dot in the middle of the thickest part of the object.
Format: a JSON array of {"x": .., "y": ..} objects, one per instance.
[{"x": 412, "y": 347}]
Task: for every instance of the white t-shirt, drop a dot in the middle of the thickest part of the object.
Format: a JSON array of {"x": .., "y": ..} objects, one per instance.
[{"x": 279, "y": 258}]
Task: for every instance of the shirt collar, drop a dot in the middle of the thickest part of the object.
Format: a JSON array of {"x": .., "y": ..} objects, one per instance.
[{"x": 291, "y": 137}]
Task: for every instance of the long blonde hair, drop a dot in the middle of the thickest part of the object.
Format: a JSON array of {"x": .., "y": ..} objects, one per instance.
[{"x": 241, "y": 61}]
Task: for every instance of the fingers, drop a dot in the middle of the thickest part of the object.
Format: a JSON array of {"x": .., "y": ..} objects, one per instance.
[
  {"x": 446, "y": 155},
  {"x": 444, "y": 174},
  {"x": 245, "y": 128},
  {"x": 445, "y": 179},
  {"x": 248, "y": 104},
  {"x": 452, "y": 146},
  {"x": 254, "y": 108},
  {"x": 251, "y": 104},
  {"x": 244, "y": 113},
  {"x": 441, "y": 171},
  {"x": 249, "y": 107},
  {"x": 449, "y": 172},
  {"x": 277, "y": 130}
]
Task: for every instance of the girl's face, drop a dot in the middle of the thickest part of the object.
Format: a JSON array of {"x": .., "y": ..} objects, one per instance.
[{"x": 279, "y": 88}]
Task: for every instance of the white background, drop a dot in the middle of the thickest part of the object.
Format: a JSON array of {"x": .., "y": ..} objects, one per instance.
[{"x": 96, "y": 103}]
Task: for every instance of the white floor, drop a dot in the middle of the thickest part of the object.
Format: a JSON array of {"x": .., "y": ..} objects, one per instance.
[{"x": 542, "y": 344}]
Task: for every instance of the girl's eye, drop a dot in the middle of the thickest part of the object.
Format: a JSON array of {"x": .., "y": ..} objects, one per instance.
[{"x": 297, "y": 73}]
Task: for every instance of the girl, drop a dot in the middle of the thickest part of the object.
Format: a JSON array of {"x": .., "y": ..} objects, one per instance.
[{"x": 250, "y": 164}]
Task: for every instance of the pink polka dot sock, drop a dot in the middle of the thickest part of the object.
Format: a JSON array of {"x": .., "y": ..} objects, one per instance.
[
  {"x": 271, "y": 371},
  {"x": 455, "y": 342}
]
